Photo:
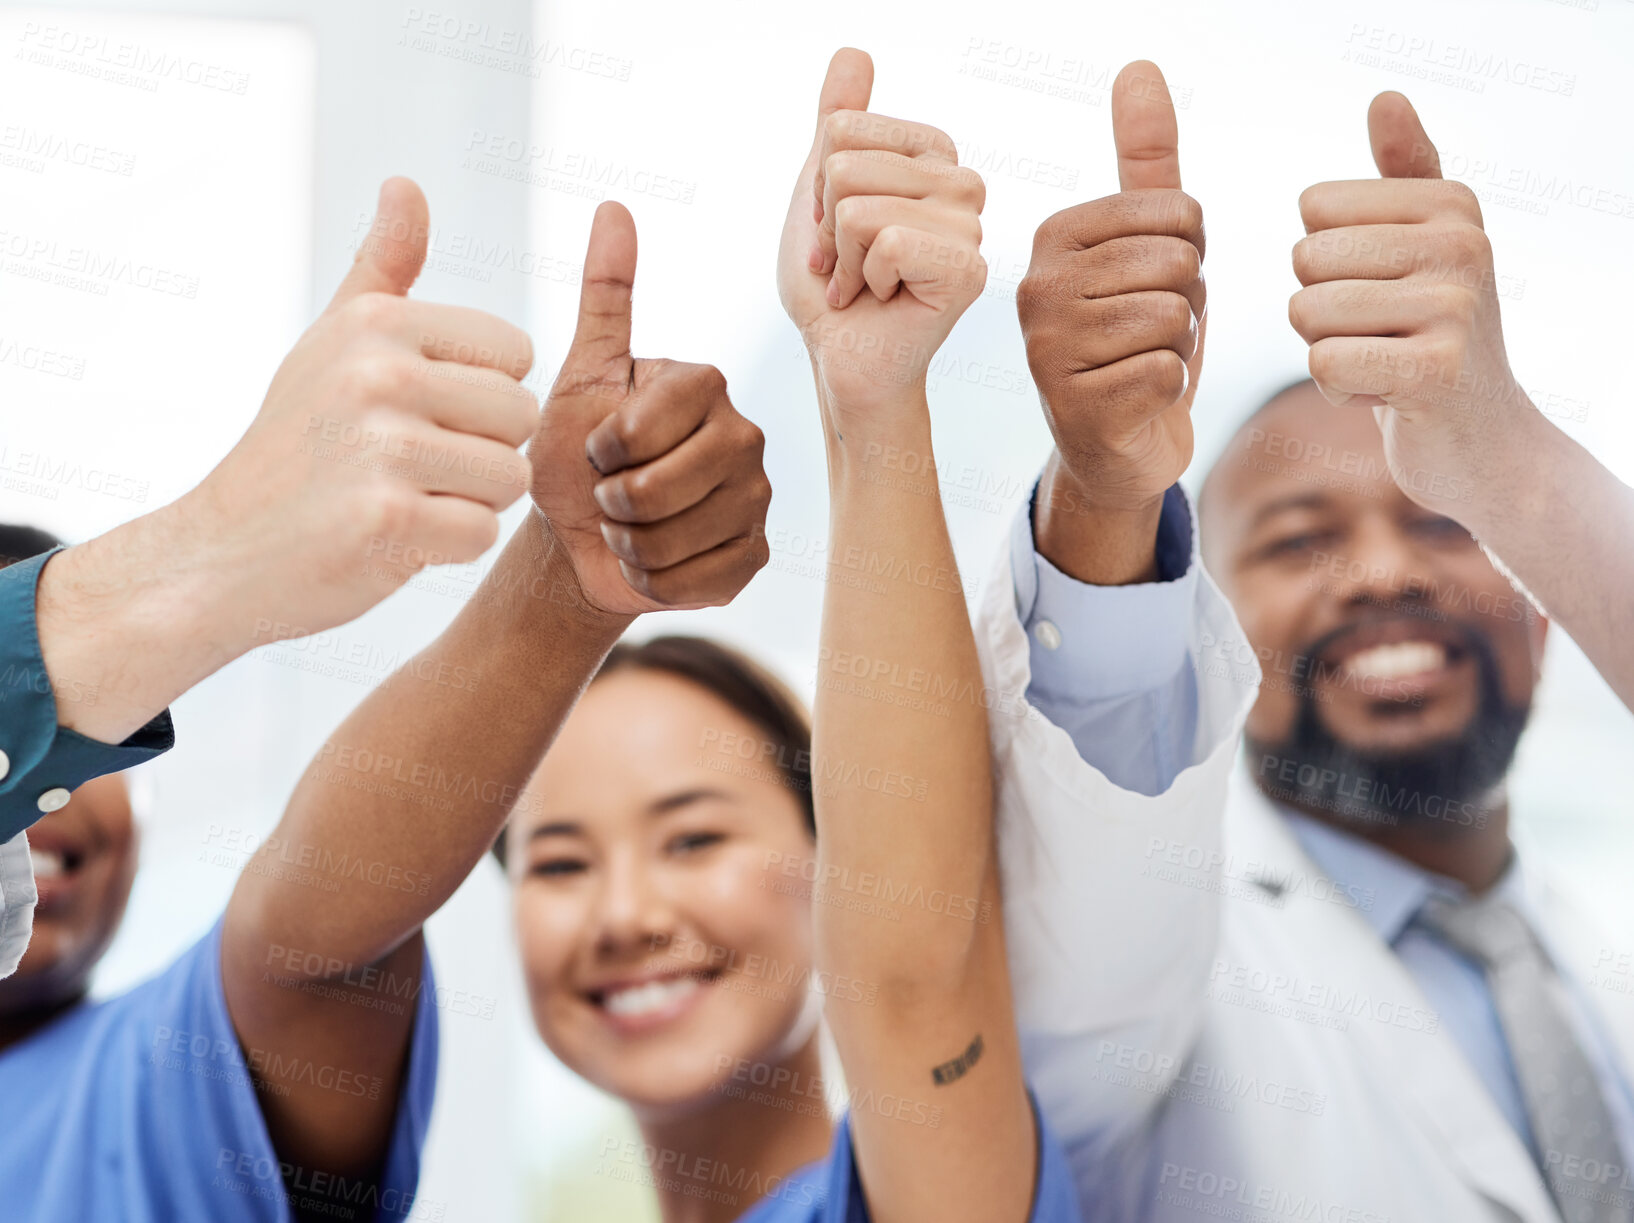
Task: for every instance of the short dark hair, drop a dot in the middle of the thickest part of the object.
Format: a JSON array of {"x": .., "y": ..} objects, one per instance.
[
  {"x": 742, "y": 683},
  {"x": 1287, "y": 387},
  {"x": 18, "y": 543}
]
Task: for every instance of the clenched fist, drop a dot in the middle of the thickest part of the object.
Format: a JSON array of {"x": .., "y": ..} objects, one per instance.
[
  {"x": 644, "y": 470},
  {"x": 1113, "y": 312},
  {"x": 880, "y": 252},
  {"x": 1400, "y": 306}
]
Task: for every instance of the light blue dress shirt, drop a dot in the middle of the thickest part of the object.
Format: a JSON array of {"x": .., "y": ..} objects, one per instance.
[{"x": 1110, "y": 666}]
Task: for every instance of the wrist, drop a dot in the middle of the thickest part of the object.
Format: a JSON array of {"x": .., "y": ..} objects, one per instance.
[
  {"x": 535, "y": 579},
  {"x": 135, "y": 617},
  {"x": 1092, "y": 542},
  {"x": 886, "y": 438},
  {"x": 1523, "y": 479}
]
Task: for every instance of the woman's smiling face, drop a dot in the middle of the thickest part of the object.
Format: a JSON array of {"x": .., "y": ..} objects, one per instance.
[{"x": 664, "y": 939}]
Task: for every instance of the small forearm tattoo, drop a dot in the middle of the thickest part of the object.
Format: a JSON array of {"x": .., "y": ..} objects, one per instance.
[{"x": 960, "y": 1066}]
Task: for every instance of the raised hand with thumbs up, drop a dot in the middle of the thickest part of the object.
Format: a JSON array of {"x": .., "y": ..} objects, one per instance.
[
  {"x": 1400, "y": 306},
  {"x": 387, "y": 441},
  {"x": 880, "y": 253},
  {"x": 1113, "y": 311},
  {"x": 646, "y": 473}
]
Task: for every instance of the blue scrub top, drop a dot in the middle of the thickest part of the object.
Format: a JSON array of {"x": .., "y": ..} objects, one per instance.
[
  {"x": 141, "y": 1109},
  {"x": 831, "y": 1192}
]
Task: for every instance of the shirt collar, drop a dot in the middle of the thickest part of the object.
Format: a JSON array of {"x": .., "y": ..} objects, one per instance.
[{"x": 1399, "y": 889}]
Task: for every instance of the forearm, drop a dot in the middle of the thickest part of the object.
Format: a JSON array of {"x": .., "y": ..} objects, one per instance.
[
  {"x": 1561, "y": 528},
  {"x": 130, "y": 620},
  {"x": 903, "y": 789},
  {"x": 411, "y": 790}
]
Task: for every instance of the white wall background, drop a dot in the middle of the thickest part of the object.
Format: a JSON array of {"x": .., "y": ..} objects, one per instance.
[{"x": 697, "y": 117}]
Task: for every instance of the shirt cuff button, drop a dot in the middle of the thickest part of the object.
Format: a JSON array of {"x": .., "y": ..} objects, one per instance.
[
  {"x": 1048, "y": 635},
  {"x": 54, "y": 799}
]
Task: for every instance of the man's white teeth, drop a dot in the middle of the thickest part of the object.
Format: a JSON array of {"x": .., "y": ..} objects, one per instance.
[
  {"x": 1397, "y": 659},
  {"x": 47, "y": 865},
  {"x": 649, "y": 998}
]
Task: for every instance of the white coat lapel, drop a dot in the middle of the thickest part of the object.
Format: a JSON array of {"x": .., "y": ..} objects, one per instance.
[
  {"x": 1438, "y": 1090},
  {"x": 1604, "y": 970}
]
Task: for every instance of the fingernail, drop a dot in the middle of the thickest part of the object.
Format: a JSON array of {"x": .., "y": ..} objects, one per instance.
[
  {"x": 834, "y": 293},
  {"x": 590, "y": 455},
  {"x": 817, "y": 211},
  {"x": 815, "y": 260}
]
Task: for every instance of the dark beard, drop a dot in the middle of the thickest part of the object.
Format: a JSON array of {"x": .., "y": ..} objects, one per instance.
[{"x": 1445, "y": 785}]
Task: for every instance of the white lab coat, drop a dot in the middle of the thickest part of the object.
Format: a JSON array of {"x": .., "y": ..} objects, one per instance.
[
  {"x": 1211, "y": 1028},
  {"x": 17, "y": 899}
]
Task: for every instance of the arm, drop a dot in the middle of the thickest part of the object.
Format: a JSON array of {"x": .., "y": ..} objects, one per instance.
[
  {"x": 1409, "y": 321},
  {"x": 281, "y": 539},
  {"x": 300, "y": 954},
  {"x": 899, "y": 236},
  {"x": 1113, "y": 310}
]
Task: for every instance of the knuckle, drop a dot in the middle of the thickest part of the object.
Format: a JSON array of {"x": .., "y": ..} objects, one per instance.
[
  {"x": 840, "y": 171},
  {"x": 1299, "y": 312},
  {"x": 1185, "y": 212},
  {"x": 389, "y": 512},
  {"x": 1463, "y": 198},
  {"x": 1451, "y": 301},
  {"x": 372, "y": 311},
  {"x": 1472, "y": 243},
  {"x": 850, "y": 212},
  {"x": 1171, "y": 313},
  {"x": 1305, "y": 258},
  {"x": 708, "y": 382},
  {"x": 1323, "y": 361},
  {"x": 641, "y": 493},
  {"x": 640, "y": 548},
  {"x": 970, "y": 187},
  {"x": 1164, "y": 377},
  {"x": 619, "y": 435},
  {"x": 976, "y": 278},
  {"x": 1310, "y": 200},
  {"x": 380, "y": 377},
  {"x": 1185, "y": 263}
]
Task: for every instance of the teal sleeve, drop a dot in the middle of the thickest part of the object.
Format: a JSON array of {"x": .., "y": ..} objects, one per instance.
[{"x": 36, "y": 755}]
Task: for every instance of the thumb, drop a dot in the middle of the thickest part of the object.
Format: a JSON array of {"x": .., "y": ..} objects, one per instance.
[
  {"x": 848, "y": 86},
  {"x": 1144, "y": 128},
  {"x": 1401, "y": 148},
  {"x": 390, "y": 256},
  {"x": 603, "y": 333}
]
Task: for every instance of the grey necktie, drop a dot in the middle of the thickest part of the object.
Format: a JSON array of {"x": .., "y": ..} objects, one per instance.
[{"x": 1582, "y": 1163}]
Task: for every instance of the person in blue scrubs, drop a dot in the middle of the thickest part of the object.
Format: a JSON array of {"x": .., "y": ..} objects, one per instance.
[
  {"x": 146, "y": 1106},
  {"x": 698, "y": 884}
]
